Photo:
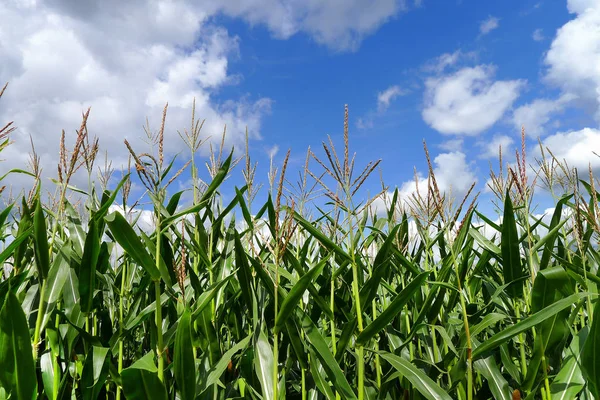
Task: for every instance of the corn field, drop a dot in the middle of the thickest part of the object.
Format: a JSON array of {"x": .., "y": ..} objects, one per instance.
[{"x": 302, "y": 297}]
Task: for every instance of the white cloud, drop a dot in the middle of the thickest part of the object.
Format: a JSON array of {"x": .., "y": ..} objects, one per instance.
[
  {"x": 451, "y": 145},
  {"x": 127, "y": 59},
  {"x": 446, "y": 60},
  {"x": 580, "y": 6},
  {"x": 536, "y": 115},
  {"x": 573, "y": 58},
  {"x": 384, "y": 98},
  {"x": 576, "y": 147},
  {"x": 489, "y": 25},
  {"x": 538, "y": 35},
  {"x": 339, "y": 24},
  {"x": 126, "y": 65},
  {"x": 491, "y": 147},
  {"x": 468, "y": 101}
]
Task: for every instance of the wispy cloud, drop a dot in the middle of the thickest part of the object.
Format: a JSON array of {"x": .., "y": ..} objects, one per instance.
[
  {"x": 385, "y": 98},
  {"x": 489, "y": 25},
  {"x": 538, "y": 35},
  {"x": 447, "y": 60}
]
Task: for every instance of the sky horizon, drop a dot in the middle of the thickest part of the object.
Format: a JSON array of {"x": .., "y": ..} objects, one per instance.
[{"x": 462, "y": 75}]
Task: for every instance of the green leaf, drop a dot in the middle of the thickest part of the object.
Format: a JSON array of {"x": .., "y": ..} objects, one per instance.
[
  {"x": 87, "y": 268},
  {"x": 293, "y": 297},
  {"x": 548, "y": 241},
  {"x": 498, "y": 385},
  {"x": 140, "y": 381},
  {"x": 484, "y": 242},
  {"x": 320, "y": 377},
  {"x": 95, "y": 371},
  {"x": 103, "y": 210},
  {"x": 526, "y": 324},
  {"x": 206, "y": 297},
  {"x": 17, "y": 374},
  {"x": 551, "y": 285},
  {"x": 56, "y": 278},
  {"x": 244, "y": 274},
  {"x": 321, "y": 237},
  {"x": 173, "y": 203},
  {"x": 40, "y": 237},
  {"x": 334, "y": 372},
  {"x": 424, "y": 384},
  {"x": 263, "y": 364},
  {"x": 590, "y": 358},
  {"x": 218, "y": 369},
  {"x": 47, "y": 374},
  {"x": 217, "y": 180},
  {"x": 392, "y": 310},
  {"x": 16, "y": 171},
  {"x": 512, "y": 269},
  {"x": 10, "y": 250},
  {"x": 131, "y": 243},
  {"x": 570, "y": 381},
  {"x": 184, "y": 365}
]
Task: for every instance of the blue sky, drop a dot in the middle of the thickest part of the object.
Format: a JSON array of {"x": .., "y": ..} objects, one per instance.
[{"x": 462, "y": 75}]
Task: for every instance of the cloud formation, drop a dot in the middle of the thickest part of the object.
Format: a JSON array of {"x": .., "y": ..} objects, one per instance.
[
  {"x": 537, "y": 115},
  {"x": 384, "y": 98},
  {"x": 469, "y": 101},
  {"x": 489, "y": 25},
  {"x": 127, "y": 59},
  {"x": 573, "y": 58}
]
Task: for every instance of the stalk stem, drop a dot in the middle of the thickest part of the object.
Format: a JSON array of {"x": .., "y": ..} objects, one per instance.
[
  {"x": 159, "y": 333},
  {"x": 38, "y": 321}
]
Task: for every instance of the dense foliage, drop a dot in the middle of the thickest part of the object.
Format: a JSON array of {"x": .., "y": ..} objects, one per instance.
[{"x": 295, "y": 299}]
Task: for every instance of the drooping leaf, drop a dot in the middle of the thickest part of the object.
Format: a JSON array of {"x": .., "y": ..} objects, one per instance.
[
  {"x": 420, "y": 381},
  {"x": 294, "y": 296},
  {"x": 131, "y": 243},
  {"x": 140, "y": 380},
  {"x": 332, "y": 368},
  {"x": 392, "y": 310},
  {"x": 219, "y": 368},
  {"x": 526, "y": 324}
]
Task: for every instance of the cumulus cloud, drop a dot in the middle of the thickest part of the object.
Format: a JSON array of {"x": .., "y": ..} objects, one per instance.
[
  {"x": 468, "y": 101},
  {"x": 574, "y": 55},
  {"x": 127, "y": 59},
  {"x": 62, "y": 57},
  {"x": 536, "y": 115},
  {"x": 489, "y": 25},
  {"x": 384, "y": 98},
  {"x": 338, "y": 24},
  {"x": 577, "y": 148}
]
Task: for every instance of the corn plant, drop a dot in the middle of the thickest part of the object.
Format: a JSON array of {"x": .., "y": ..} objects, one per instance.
[{"x": 295, "y": 298}]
